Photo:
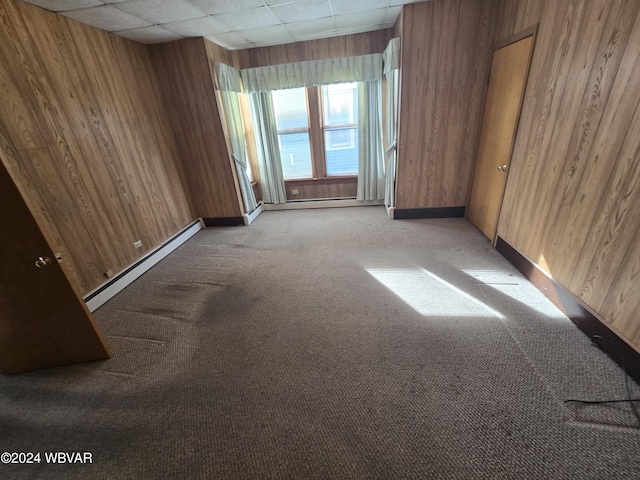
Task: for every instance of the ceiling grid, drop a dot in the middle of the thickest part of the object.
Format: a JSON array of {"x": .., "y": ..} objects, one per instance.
[{"x": 233, "y": 24}]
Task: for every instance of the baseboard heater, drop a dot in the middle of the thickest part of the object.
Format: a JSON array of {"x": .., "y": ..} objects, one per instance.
[
  {"x": 434, "y": 212},
  {"x": 578, "y": 312},
  {"x": 105, "y": 292}
]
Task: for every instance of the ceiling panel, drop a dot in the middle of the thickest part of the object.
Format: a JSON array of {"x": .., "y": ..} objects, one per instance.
[
  {"x": 303, "y": 10},
  {"x": 311, "y": 27},
  {"x": 62, "y": 5},
  {"x": 198, "y": 27},
  {"x": 161, "y": 11},
  {"x": 106, "y": 17},
  {"x": 341, "y": 7},
  {"x": 235, "y": 24},
  {"x": 225, "y": 6},
  {"x": 152, "y": 34},
  {"x": 248, "y": 19},
  {"x": 275, "y": 33}
]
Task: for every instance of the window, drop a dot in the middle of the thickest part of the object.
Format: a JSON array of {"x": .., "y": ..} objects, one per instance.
[
  {"x": 340, "y": 125},
  {"x": 317, "y": 130},
  {"x": 292, "y": 123}
]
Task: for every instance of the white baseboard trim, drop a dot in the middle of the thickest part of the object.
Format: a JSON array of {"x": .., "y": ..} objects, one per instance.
[
  {"x": 105, "y": 292},
  {"x": 390, "y": 212},
  {"x": 321, "y": 203},
  {"x": 250, "y": 217}
]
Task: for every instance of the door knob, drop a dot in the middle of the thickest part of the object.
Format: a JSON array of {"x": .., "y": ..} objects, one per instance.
[
  {"x": 43, "y": 262},
  {"x": 503, "y": 168}
]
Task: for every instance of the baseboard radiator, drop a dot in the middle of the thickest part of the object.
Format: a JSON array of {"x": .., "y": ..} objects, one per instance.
[{"x": 105, "y": 292}]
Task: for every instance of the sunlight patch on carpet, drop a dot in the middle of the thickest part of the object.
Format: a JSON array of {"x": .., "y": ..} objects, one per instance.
[
  {"x": 430, "y": 295},
  {"x": 521, "y": 291}
]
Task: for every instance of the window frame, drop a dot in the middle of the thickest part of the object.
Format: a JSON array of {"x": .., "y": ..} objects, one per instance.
[{"x": 316, "y": 130}]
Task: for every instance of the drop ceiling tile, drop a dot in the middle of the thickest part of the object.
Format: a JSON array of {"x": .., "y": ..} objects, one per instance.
[
  {"x": 231, "y": 40},
  {"x": 152, "y": 34},
  {"x": 248, "y": 19},
  {"x": 341, "y": 7},
  {"x": 62, "y": 5},
  {"x": 107, "y": 18},
  {"x": 311, "y": 27},
  {"x": 274, "y": 42},
  {"x": 302, "y": 10},
  {"x": 392, "y": 15},
  {"x": 225, "y": 6},
  {"x": 360, "y": 29},
  {"x": 264, "y": 35},
  {"x": 161, "y": 11},
  {"x": 373, "y": 17},
  {"x": 198, "y": 27},
  {"x": 272, "y": 3},
  {"x": 315, "y": 36}
]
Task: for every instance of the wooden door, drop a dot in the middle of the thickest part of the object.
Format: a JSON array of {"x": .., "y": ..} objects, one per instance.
[
  {"x": 43, "y": 321},
  {"x": 509, "y": 68}
]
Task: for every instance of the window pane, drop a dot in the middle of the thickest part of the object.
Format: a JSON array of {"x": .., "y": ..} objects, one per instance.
[
  {"x": 290, "y": 107},
  {"x": 340, "y": 103},
  {"x": 295, "y": 155},
  {"x": 340, "y": 108},
  {"x": 341, "y": 151}
]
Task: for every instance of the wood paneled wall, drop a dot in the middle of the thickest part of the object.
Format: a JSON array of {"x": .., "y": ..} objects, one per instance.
[
  {"x": 185, "y": 76},
  {"x": 446, "y": 47},
  {"x": 322, "y": 188},
  {"x": 335, "y": 47},
  {"x": 572, "y": 201},
  {"x": 85, "y": 136}
]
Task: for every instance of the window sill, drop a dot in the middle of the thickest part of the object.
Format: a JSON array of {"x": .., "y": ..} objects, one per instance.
[{"x": 319, "y": 181}]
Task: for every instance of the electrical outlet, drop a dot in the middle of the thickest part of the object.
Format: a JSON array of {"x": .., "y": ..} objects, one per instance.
[
  {"x": 138, "y": 244},
  {"x": 294, "y": 191}
]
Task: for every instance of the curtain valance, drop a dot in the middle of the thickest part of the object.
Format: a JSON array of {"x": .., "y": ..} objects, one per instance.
[
  {"x": 314, "y": 72},
  {"x": 227, "y": 78},
  {"x": 391, "y": 55}
]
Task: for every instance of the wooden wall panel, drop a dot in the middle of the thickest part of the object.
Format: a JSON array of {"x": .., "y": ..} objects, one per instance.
[
  {"x": 183, "y": 71},
  {"x": 573, "y": 192},
  {"x": 327, "y": 188},
  {"x": 94, "y": 155},
  {"x": 335, "y": 47},
  {"x": 445, "y": 65},
  {"x": 397, "y": 28}
]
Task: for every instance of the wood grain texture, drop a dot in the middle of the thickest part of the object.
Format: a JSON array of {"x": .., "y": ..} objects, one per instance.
[
  {"x": 95, "y": 157},
  {"x": 345, "y": 187},
  {"x": 504, "y": 97},
  {"x": 334, "y": 47},
  {"x": 573, "y": 195},
  {"x": 48, "y": 324},
  {"x": 183, "y": 70},
  {"x": 446, "y": 53}
]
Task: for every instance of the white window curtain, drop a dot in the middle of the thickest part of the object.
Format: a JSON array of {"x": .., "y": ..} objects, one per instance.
[
  {"x": 371, "y": 181},
  {"x": 363, "y": 68},
  {"x": 264, "y": 121},
  {"x": 391, "y": 57},
  {"x": 229, "y": 86}
]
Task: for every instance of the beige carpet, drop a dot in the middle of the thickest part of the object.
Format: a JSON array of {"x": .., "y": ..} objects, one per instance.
[{"x": 330, "y": 344}]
